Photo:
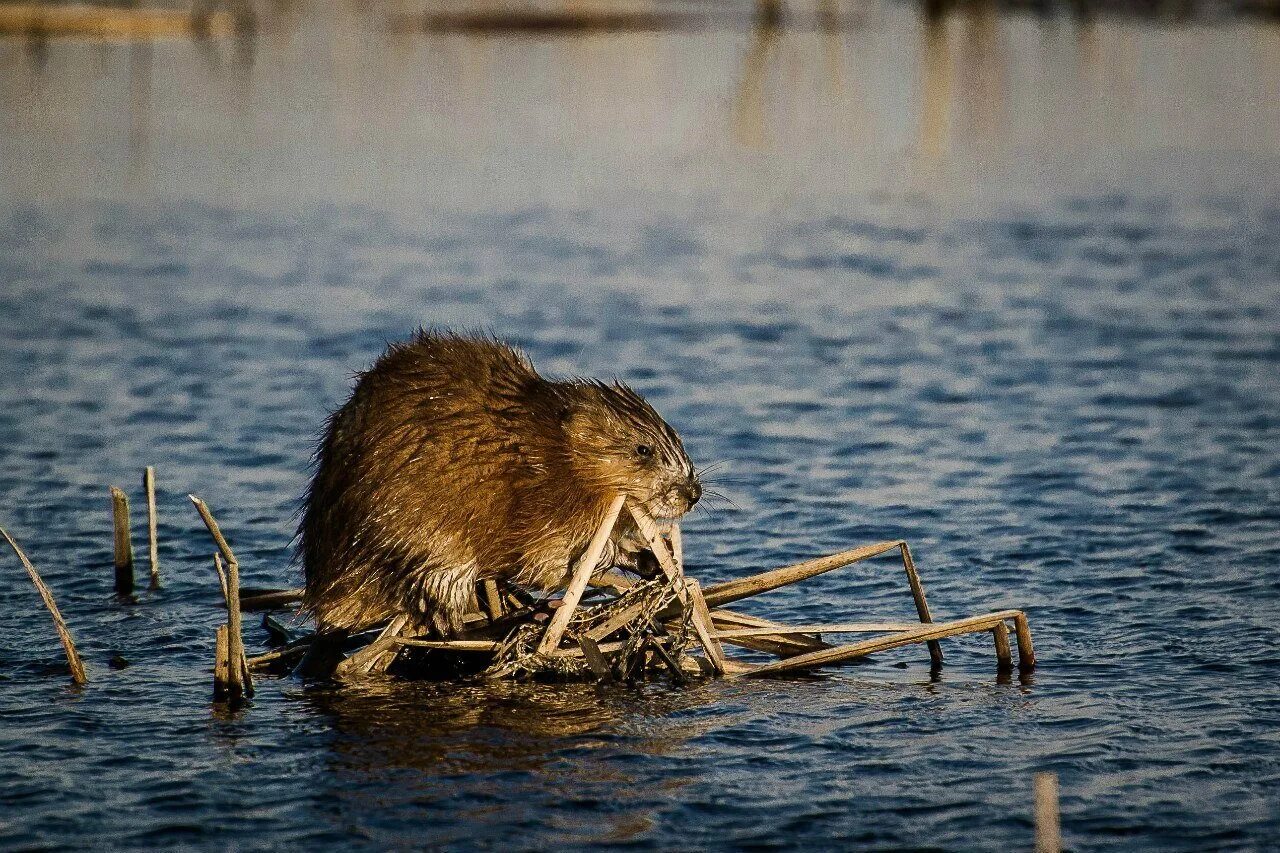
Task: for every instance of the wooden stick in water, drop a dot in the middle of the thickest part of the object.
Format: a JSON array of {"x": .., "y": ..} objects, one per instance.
[
  {"x": 836, "y": 628},
  {"x": 840, "y": 654},
  {"x": 1004, "y": 656},
  {"x": 123, "y": 544},
  {"x": 1026, "y": 651},
  {"x": 922, "y": 606},
  {"x": 218, "y": 539},
  {"x": 222, "y": 579},
  {"x": 149, "y": 484},
  {"x": 235, "y": 639},
  {"x": 702, "y": 626},
  {"x": 220, "y": 664},
  {"x": 723, "y": 593},
  {"x": 1047, "y": 819},
  {"x": 781, "y": 645},
  {"x": 59, "y": 624},
  {"x": 581, "y": 574},
  {"x": 378, "y": 655}
]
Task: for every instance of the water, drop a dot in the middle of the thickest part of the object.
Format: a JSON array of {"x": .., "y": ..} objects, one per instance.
[{"x": 1003, "y": 286}]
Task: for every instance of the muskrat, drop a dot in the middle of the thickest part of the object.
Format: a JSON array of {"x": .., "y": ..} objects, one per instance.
[{"x": 454, "y": 461}]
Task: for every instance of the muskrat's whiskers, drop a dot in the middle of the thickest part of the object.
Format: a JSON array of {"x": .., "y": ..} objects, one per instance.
[{"x": 719, "y": 495}]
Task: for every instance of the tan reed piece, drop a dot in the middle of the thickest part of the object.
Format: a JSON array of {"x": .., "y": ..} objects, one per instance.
[
  {"x": 581, "y": 574},
  {"x": 1047, "y": 820},
  {"x": 239, "y": 684},
  {"x": 59, "y": 624},
  {"x": 123, "y": 544},
  {"x": 628, "y": 628},
  {"x": 149, "y": 485},
  {"x": 221, "y": 664}
]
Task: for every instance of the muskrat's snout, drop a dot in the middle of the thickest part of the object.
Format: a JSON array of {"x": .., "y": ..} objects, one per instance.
[{"x": 680, "y": 497}]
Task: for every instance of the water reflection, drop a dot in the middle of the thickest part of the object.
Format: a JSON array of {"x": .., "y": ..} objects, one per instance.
[
  {"x": 334, "y": 101},
  {"x": 448, "y": 753}
]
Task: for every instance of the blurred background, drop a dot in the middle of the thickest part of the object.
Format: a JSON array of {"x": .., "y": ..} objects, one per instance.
[
  {"x": 1001, "y": 279},
  {"x": 465, "y": 104}
]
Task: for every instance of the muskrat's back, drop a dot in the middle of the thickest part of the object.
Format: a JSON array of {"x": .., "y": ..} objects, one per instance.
[{"x": 453, "y": 461}]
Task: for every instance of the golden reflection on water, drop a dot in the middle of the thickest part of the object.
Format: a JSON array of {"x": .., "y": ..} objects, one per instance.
[
  {"x": 334, "y": 101},
  {"x": 519, "y": 733}
]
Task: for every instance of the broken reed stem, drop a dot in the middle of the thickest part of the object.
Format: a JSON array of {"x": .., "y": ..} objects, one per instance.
[
  {"x": 239, "y": 682},
  {"x": 840, "y": 654},
  {"x": 492, "y": 599},
  {"x": 653, "y": 536},
  {"x": 1026, "y": 651},
  {"x": 378, "y": 655},
  {"x": 834, "y": 628},
  {"x": 246, "y": 676},
  {"x": 677, "y": 546},
  {"x": 729, "y": 591},
  {"x": 1047, "y": 819},
  {"x": 922, "y": 605},
  {"x": 122, "y": 541},
  {"x": 149, "y": 484},
  {"x": 222, "y": 579},
  {"x": 221, "y": 664},
  {"x": 581, "y": 574},
  {"x": 235, "y": 640},
  {"x": 1004, "y": 656},
  {"x": 703, "y": 627},
  {"x": 216, "y": 532},
  {"x": 59, "y": 624}
]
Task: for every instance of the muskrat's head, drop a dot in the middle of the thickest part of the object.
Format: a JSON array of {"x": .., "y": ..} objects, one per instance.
[{"x": 619, "y": 443}]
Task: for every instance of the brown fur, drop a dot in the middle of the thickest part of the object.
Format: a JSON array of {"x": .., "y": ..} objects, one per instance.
[{"x": 454, "y": 461}]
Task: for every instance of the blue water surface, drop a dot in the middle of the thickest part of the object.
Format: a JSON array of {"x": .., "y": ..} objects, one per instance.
[{"x": 1065, "y": 400}]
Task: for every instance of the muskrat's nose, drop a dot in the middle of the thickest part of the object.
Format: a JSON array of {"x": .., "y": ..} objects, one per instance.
[{"x": 691, "y": 491}]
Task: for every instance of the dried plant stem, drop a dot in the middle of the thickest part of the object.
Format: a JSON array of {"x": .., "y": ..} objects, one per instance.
[
  {"x": 836, "y": 628},
  {"x": 840, "y": 654},
  {"x": 377, "y": 656},
  {"x": 922, "y": 606},
  {"x": 653, "y": 536},
  {"x": 492, "y": 599},
  {"x": 729, "y": 591},
  {"x": 1004, "y": 656},
  {"x": 149, "y": 484},
  {"x": 239, "y": 683},
  {"x": 216, "y": 532},
  {"x": 123, "y": 543},
  {"x": 235, "y": 639},
  {"x": 702, "y": 626},
  {"x": 581, "y": 574},
  {"x": 781, "y": 645},
  {"x": 221, "y": 665},
  {"x": 59, "y": 624},
  {"x": 1047, "y": 819},
  {"x": 1026, "y": 651},
  {"x": 222, "y": 579},
  {"x": 450, "y": 645}
]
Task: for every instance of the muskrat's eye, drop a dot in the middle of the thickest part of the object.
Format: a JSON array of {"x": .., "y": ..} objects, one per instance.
[{"x": 644, "y": 451}]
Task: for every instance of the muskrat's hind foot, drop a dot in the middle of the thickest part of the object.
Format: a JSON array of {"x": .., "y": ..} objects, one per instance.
[{"x": 444, "y": 597}]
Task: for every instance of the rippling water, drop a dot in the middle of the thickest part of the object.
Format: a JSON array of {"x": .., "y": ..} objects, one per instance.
[{"x": 1065, "y": 398}]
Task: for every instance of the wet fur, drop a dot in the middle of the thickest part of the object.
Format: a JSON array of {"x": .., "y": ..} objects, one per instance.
[{"x": 454, "y": 461}]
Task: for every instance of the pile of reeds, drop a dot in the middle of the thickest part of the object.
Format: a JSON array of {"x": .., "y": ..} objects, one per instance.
[{"x": 605, "y": 626}]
